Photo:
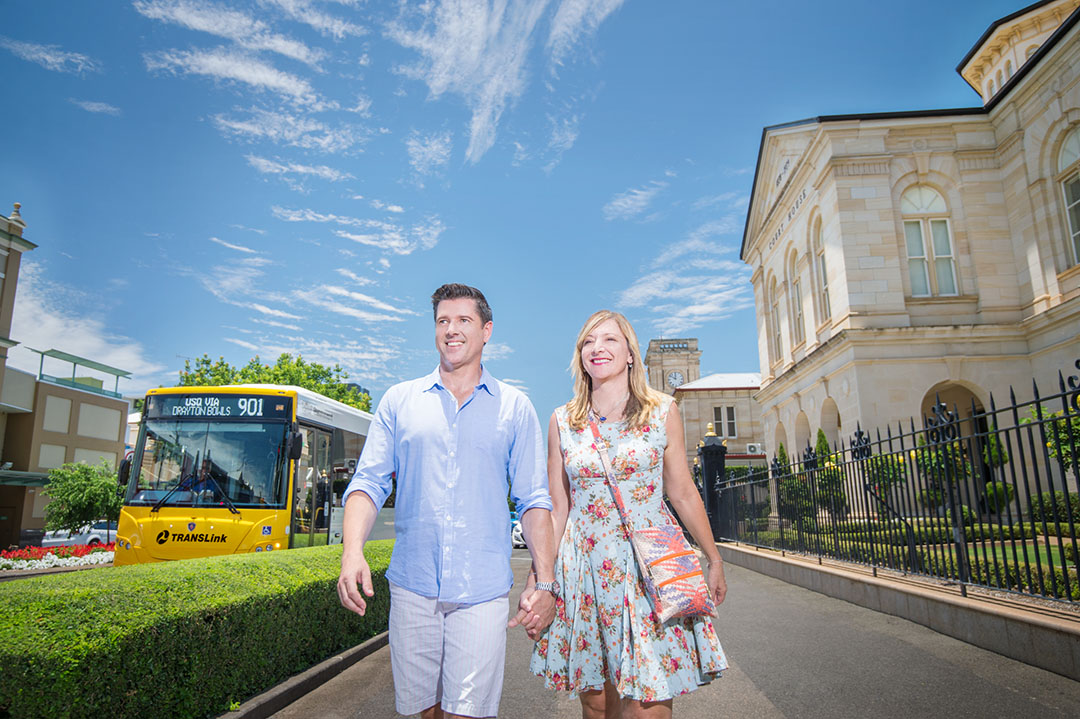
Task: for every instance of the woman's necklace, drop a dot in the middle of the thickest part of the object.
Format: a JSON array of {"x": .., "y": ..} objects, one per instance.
[{"x": 618, "y": 405}]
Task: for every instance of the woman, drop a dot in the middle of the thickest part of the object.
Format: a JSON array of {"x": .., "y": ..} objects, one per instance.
[{"x": 605, "y": 644}]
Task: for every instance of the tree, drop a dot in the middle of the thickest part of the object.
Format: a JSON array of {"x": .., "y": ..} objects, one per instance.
[
  {"x": 327, "y": 381},
  {"x": 782, "y": 458},
  {"x": 81, "y": 494},
  {"x": 821, "y": 446}
]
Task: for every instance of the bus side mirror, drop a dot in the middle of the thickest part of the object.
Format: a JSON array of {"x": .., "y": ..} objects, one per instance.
[
  {"x": 123, "y": 474},
  {"x": 296, "y": 445}
]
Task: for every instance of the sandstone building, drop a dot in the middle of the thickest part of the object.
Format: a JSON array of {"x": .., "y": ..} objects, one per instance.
[{"x": 900, "y": 256}]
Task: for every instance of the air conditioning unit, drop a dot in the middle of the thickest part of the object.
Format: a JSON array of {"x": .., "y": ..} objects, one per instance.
[{"x": 755, "y": 448}]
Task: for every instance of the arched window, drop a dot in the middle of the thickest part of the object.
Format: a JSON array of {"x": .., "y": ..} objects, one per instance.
[
  {"x": 990, "y": 89},
  {"x": 774, "y": 314},
  {"x": 1008, "y": 69},
  {"x": 798, "y": 322},
  {"x": 1000, "y": 80},
  {"x": 822, "y": 274},
  {"x": 1031, "y": 51},
  {"x": 931, "y": 262},
  {"x": 1069, "y": 163}
]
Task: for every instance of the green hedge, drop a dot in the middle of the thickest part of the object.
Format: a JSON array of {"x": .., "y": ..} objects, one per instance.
[
  {"x": 1049, "y": 507},
  {"x": 1007, "y": 575},
  {"x": 182, "y": 639}
]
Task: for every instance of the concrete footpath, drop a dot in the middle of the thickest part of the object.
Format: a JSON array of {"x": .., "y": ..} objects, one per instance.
[{"x": 793, "y": 653}]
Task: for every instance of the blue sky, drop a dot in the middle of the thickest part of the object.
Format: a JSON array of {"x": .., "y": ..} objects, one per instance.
[{"x": 299, "y": 175}]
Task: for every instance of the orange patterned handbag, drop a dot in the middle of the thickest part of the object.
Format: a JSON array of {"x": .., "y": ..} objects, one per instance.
[{"x": 669, "y": 566}]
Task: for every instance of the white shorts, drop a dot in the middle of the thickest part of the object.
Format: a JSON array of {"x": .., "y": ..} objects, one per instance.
[{"x": 448, "y": 654}]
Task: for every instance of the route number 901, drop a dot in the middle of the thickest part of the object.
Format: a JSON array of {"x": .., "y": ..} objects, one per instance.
[{"x": 250, "y": 407}]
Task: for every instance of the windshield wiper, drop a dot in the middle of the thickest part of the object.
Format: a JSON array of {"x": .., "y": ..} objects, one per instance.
[
  {"x": 224, "y": 495},
  {"x": 161, "y": 502}
]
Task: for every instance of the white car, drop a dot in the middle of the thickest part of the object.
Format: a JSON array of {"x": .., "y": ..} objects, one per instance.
[
  {"x": 517, "y": 539},
  {"x": 100, "y": 532}
]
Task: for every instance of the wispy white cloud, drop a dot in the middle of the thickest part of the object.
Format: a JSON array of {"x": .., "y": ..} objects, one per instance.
[
  {"x": 303, "y": 11},
  {"x": 270, "y": 311},
  {"x": 289, "y": 171},
  {"x": 575, "y": 19},
  {"x": 248, "y": 229},
  {"x": 50, "y": 57},
  {"x": 224, "y": 65},
  {"x": 243, "y": 343},
  {"x": 103, "y": 108},
  {"x": 238, "y": 248},
  {"x": 362, "y": 281},
  {"x": 366, "y": 300},
  {"x": 48, "y": 316},
  {"x": 380, "y": 205},
  {"x": 388, "y": 236},
  {"x": 725, "y": 200},
  {"x": 697, "y": 284},
  {"x": 633, "y": 202},
  {"x": 702, "y": 240},
  {"x": 564, "y": 132},
  {"x": 689, "y": 296},
  {"x": 475, "y": 50},
  {"x": 232, "y": 24},
  {"x": 294, "y": 130},
  {"x": 275, "y": 323},
  {"x": 497, "y": 351},
  {"x": 429, "y": 153},
  {"x": 362, "y": 107},
  {"x": 369, "y": 360},
  {"x": 318, "y": 298},
  {"x": 516, "y": 384}
]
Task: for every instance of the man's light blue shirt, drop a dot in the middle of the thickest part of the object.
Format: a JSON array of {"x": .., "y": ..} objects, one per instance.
[{"x": 453, "y": 467}]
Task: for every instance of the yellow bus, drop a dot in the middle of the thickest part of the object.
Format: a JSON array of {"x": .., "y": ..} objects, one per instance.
[{"x": 243, "y": 468}]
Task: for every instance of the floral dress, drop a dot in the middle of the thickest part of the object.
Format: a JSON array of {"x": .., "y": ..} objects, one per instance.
[{"x": 604, "y": 627}]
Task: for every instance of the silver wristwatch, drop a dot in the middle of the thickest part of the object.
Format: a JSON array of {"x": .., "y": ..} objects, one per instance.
[{"x": 552, "y": 587}]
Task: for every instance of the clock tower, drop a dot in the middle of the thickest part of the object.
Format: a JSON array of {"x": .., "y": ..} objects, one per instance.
[{"x": 673, "y": 363}]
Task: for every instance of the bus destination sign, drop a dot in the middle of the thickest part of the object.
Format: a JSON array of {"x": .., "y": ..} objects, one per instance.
[{"x": 218, "y": 406}]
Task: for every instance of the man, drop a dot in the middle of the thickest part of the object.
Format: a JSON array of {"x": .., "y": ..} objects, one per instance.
[{"x": 452, "y": 438}]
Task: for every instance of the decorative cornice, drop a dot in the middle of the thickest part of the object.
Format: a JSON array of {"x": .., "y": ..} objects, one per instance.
[
  {"x": 977, "y": 160},
  {"x": 856, "y": 166}
]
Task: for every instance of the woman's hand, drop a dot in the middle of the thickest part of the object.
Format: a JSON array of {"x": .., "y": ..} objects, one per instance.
[{"x": 714, "y": 580}]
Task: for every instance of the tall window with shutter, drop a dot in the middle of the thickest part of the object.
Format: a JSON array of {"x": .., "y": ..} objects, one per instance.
[
  {"x": 1069, "y": 167},
  {"x": 928, "y": 239}
]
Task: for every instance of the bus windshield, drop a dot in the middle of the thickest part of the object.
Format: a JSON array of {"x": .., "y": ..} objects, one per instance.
[{"x": 190, "y": 463}]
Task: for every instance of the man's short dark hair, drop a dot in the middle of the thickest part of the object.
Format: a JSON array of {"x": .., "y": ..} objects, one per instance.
[{"x": 454, "y": 291}]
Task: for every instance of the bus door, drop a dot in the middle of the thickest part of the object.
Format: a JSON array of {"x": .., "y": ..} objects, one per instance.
[{"x": 311, "y": 490}]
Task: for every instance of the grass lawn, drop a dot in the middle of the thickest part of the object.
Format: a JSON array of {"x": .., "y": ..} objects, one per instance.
[{"x": 1025, "y": 552}]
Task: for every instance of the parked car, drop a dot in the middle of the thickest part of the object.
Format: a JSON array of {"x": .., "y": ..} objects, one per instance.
[
  {"x": 517, "y": 538},
  {"x": 100, "y": 532}
]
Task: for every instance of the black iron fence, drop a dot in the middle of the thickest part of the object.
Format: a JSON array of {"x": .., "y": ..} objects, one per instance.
[{"x": 978, "y": 496}]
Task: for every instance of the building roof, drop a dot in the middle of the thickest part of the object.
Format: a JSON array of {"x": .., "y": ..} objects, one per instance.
[
  {"x": 994, "y": 26},
  {"x": 729, "y": 380}
]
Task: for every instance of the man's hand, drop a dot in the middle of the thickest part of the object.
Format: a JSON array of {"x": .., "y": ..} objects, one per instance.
[
  {"x": 536, "y": 610},
  {"x": 355, "y": 573}
]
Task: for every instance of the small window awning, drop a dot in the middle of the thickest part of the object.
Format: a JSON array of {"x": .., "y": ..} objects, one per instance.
[{"x": 15, "y": 478}]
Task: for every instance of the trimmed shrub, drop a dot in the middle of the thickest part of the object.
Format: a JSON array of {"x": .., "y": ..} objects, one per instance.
[
  {"x": 999, "y": 495},
  {"x": 182, "y": 639},
  {"x": 1050, "y": 507},
  {"x": 967, "y": 517}
]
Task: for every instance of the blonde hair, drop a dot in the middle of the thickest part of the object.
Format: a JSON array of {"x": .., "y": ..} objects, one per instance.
[{"x": 643, "y": 398}]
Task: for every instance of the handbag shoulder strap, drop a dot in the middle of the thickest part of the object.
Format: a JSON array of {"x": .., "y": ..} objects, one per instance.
[{"x": 609, "y": 476}]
